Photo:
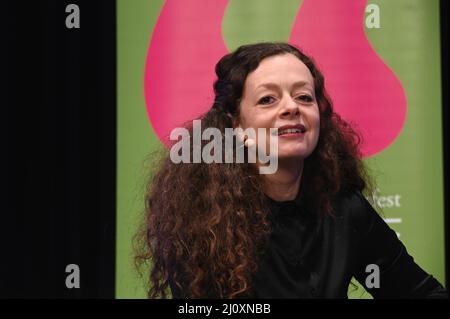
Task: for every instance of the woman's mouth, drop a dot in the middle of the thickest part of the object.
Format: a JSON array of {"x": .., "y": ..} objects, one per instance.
[{"x": 291, "y": 130}]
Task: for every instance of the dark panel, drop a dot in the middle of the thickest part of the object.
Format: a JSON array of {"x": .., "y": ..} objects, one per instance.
[{"x": 60, "y": 110}]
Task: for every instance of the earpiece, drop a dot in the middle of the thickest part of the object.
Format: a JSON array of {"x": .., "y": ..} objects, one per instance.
[{"x": 248, "y": 142}]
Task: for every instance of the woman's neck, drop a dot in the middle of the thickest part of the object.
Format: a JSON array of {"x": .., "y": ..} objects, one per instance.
[{"x": 284, "y": 184}]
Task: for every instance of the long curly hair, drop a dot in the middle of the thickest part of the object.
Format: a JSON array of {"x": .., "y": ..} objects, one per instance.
[{"x": 206, "y": 225}]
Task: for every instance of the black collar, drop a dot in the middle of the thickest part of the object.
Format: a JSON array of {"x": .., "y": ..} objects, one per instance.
[{"x": 294, "y": 207}]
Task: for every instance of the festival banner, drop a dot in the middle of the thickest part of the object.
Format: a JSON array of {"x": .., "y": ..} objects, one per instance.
[{"x": 382, "y": 67}]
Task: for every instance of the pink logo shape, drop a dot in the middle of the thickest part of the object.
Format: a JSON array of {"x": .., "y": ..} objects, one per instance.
[
  {"x": 364, "y": 90},
  {"x": 179, "y": 73},
  {"x": 187, "y": 43}
]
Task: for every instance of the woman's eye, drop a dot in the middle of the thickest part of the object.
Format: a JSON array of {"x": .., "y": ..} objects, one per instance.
[
  {"x": 266, "y": 100},
  {"x": 305, "y": 98}
]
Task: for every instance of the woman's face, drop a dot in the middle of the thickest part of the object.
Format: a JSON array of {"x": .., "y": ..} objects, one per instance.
[{"x": 280, "y": 94}]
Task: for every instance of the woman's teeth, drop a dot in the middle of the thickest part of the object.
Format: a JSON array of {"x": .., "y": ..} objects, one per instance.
[{"x": 289, "y": 131}]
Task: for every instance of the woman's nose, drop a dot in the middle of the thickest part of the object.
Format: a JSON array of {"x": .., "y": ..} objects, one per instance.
[{"x": 290, "y": 108}]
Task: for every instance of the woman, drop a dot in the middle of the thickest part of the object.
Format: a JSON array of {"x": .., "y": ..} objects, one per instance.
[{"x": 222, "y": 230}]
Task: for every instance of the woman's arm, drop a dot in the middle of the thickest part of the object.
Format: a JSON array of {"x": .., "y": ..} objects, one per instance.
[{"x": 399, "y": 275}]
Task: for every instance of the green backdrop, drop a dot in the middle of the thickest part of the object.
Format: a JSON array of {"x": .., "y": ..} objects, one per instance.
[{"x": 409, "y": 171}]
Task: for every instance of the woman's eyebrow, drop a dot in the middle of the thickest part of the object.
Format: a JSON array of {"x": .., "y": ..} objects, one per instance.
[{"x": 271, "y": 85}]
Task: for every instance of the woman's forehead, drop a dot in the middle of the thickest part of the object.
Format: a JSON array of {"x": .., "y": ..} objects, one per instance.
[{"x": 280, "y": 69}]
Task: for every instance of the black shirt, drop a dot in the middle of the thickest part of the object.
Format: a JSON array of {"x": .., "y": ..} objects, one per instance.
[
  {"x": 316, "y": 257},
  {"x": 311, "y": 256}
]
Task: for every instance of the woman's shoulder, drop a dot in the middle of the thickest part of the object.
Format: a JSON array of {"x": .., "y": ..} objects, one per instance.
[{"x": 356, "y": 208}]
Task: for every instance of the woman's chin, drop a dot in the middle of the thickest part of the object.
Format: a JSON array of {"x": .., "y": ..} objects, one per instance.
[
  {"x": 282, "y": 156},
  {"x": 300, "y": 152}
]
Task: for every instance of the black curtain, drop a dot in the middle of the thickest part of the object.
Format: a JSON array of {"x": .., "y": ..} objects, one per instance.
[{"x": 58, "y": 167}]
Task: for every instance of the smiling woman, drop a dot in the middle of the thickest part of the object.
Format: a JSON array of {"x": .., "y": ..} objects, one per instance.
[
  {"x": 280, "y": 94},
  {"x": 222, "y": 230}
]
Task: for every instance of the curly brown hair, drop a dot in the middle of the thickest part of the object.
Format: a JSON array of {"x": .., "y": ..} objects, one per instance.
[{"x": 206, "y": 225}]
